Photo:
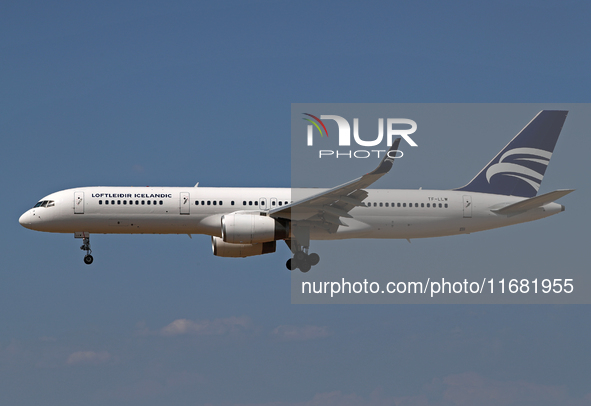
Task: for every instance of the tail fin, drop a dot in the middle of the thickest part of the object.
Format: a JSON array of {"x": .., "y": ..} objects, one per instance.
[{"x": 519, "y": 168}]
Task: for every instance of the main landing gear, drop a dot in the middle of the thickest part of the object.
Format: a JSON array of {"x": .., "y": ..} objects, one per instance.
[
  {"x": 299, "y": 245},
  {"x": 303, "y": 261},
  {"x": 86, "y": 247}
]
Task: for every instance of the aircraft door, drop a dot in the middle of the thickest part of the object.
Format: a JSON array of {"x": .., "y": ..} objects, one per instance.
[
  {"x": 263, "y": 203},
  {"x": 467, "y": 206},
  {"x": 185, "y": 203},
  {"x": 78, "y": 202}
]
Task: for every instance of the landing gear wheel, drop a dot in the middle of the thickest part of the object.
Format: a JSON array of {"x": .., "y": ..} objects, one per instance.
[
  {"x": 300, "y": 257},
  {"x": 313, "y": 259},
  {"x": 305, "y": 266},
  {"x": 88, "y": 259},
  {"x": 291, "y": 265}
]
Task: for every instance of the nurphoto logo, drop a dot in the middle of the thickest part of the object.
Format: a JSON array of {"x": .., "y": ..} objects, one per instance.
[{"x": 395, "y": 128}]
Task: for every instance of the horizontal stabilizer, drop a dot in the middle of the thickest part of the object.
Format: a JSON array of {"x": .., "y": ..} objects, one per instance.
[{"x": 533, "y": 202}]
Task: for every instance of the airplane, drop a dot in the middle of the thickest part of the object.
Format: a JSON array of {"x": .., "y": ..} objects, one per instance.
[{"x": 244, "y": 222}]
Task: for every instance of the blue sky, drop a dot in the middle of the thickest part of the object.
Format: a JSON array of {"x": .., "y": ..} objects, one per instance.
[{"x": 123, "y": 93}]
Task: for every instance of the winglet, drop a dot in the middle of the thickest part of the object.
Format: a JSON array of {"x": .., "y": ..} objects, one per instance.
[{"x": 387, "y": 161}]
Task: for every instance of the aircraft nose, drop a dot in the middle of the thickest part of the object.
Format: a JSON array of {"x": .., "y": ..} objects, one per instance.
[{"x": 25, "y": 220}]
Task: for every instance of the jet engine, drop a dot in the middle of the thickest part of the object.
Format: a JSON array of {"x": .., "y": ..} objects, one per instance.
[
  {"x": 248, "y": 228},
  {"x": 224, "y": 249}
]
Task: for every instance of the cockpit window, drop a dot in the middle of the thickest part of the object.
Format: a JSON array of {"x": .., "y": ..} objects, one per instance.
[{"x": 45, "y": 203}]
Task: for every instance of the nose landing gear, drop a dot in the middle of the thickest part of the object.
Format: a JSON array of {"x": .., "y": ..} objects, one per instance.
[{"x": 86, "y": 247}]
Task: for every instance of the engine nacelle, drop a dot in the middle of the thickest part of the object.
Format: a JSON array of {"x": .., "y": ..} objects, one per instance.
[
  {"x": 250, "y": 228},
  {"x": 224, "y": 249}
]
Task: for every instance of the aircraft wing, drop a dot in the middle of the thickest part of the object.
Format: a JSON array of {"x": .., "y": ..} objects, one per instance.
[{"x": 328, "y": 206}]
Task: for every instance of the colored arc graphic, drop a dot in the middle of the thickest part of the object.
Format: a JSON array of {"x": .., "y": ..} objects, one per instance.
[{"x": 320, "y": 121}]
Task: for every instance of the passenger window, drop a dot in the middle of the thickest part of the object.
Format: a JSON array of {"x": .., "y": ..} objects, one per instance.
[
  {"x": 220, "y": 202},
  {"x": 387, "y": 204},
  {"x": 381, "y": 204},
  {"x": 148, "y": 202},
  {"x": 161, "y": 202},
  {"x": 232, "y": 203},
  {"x": 446, "y": 205},
  {"x": 143, "y": 202},
  {"x": 250, "y": 203},
  {"x": 100, "y": 202},
  {"x": 375, "y": 204},
  {"x": 428, "y": 204},
  {"x": 280, "y": 202},
  {"x": 440, "y": 205},
  {"x": 196, "y": 202},
  {"x": 244, "y": 202},
  {"x": 137, "y": 202},
  {"x": 398, "y": 204},
  {"x": 215, "y": 203},
  {"x": 256, "y": 202},
  {"x": 273, "y": 203},
  {"x": 125, "y": 202},
  {"x": 416, "y": 205},
  {"x": 209, "y": 202},
  {"x": 112, "y": 201}
]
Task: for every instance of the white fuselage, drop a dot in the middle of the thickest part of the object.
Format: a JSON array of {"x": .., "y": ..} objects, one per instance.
[{"x": 198, "y": 210}]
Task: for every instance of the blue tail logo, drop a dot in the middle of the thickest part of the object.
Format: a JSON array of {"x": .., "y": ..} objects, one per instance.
[{"x": 519, "y": 168}]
